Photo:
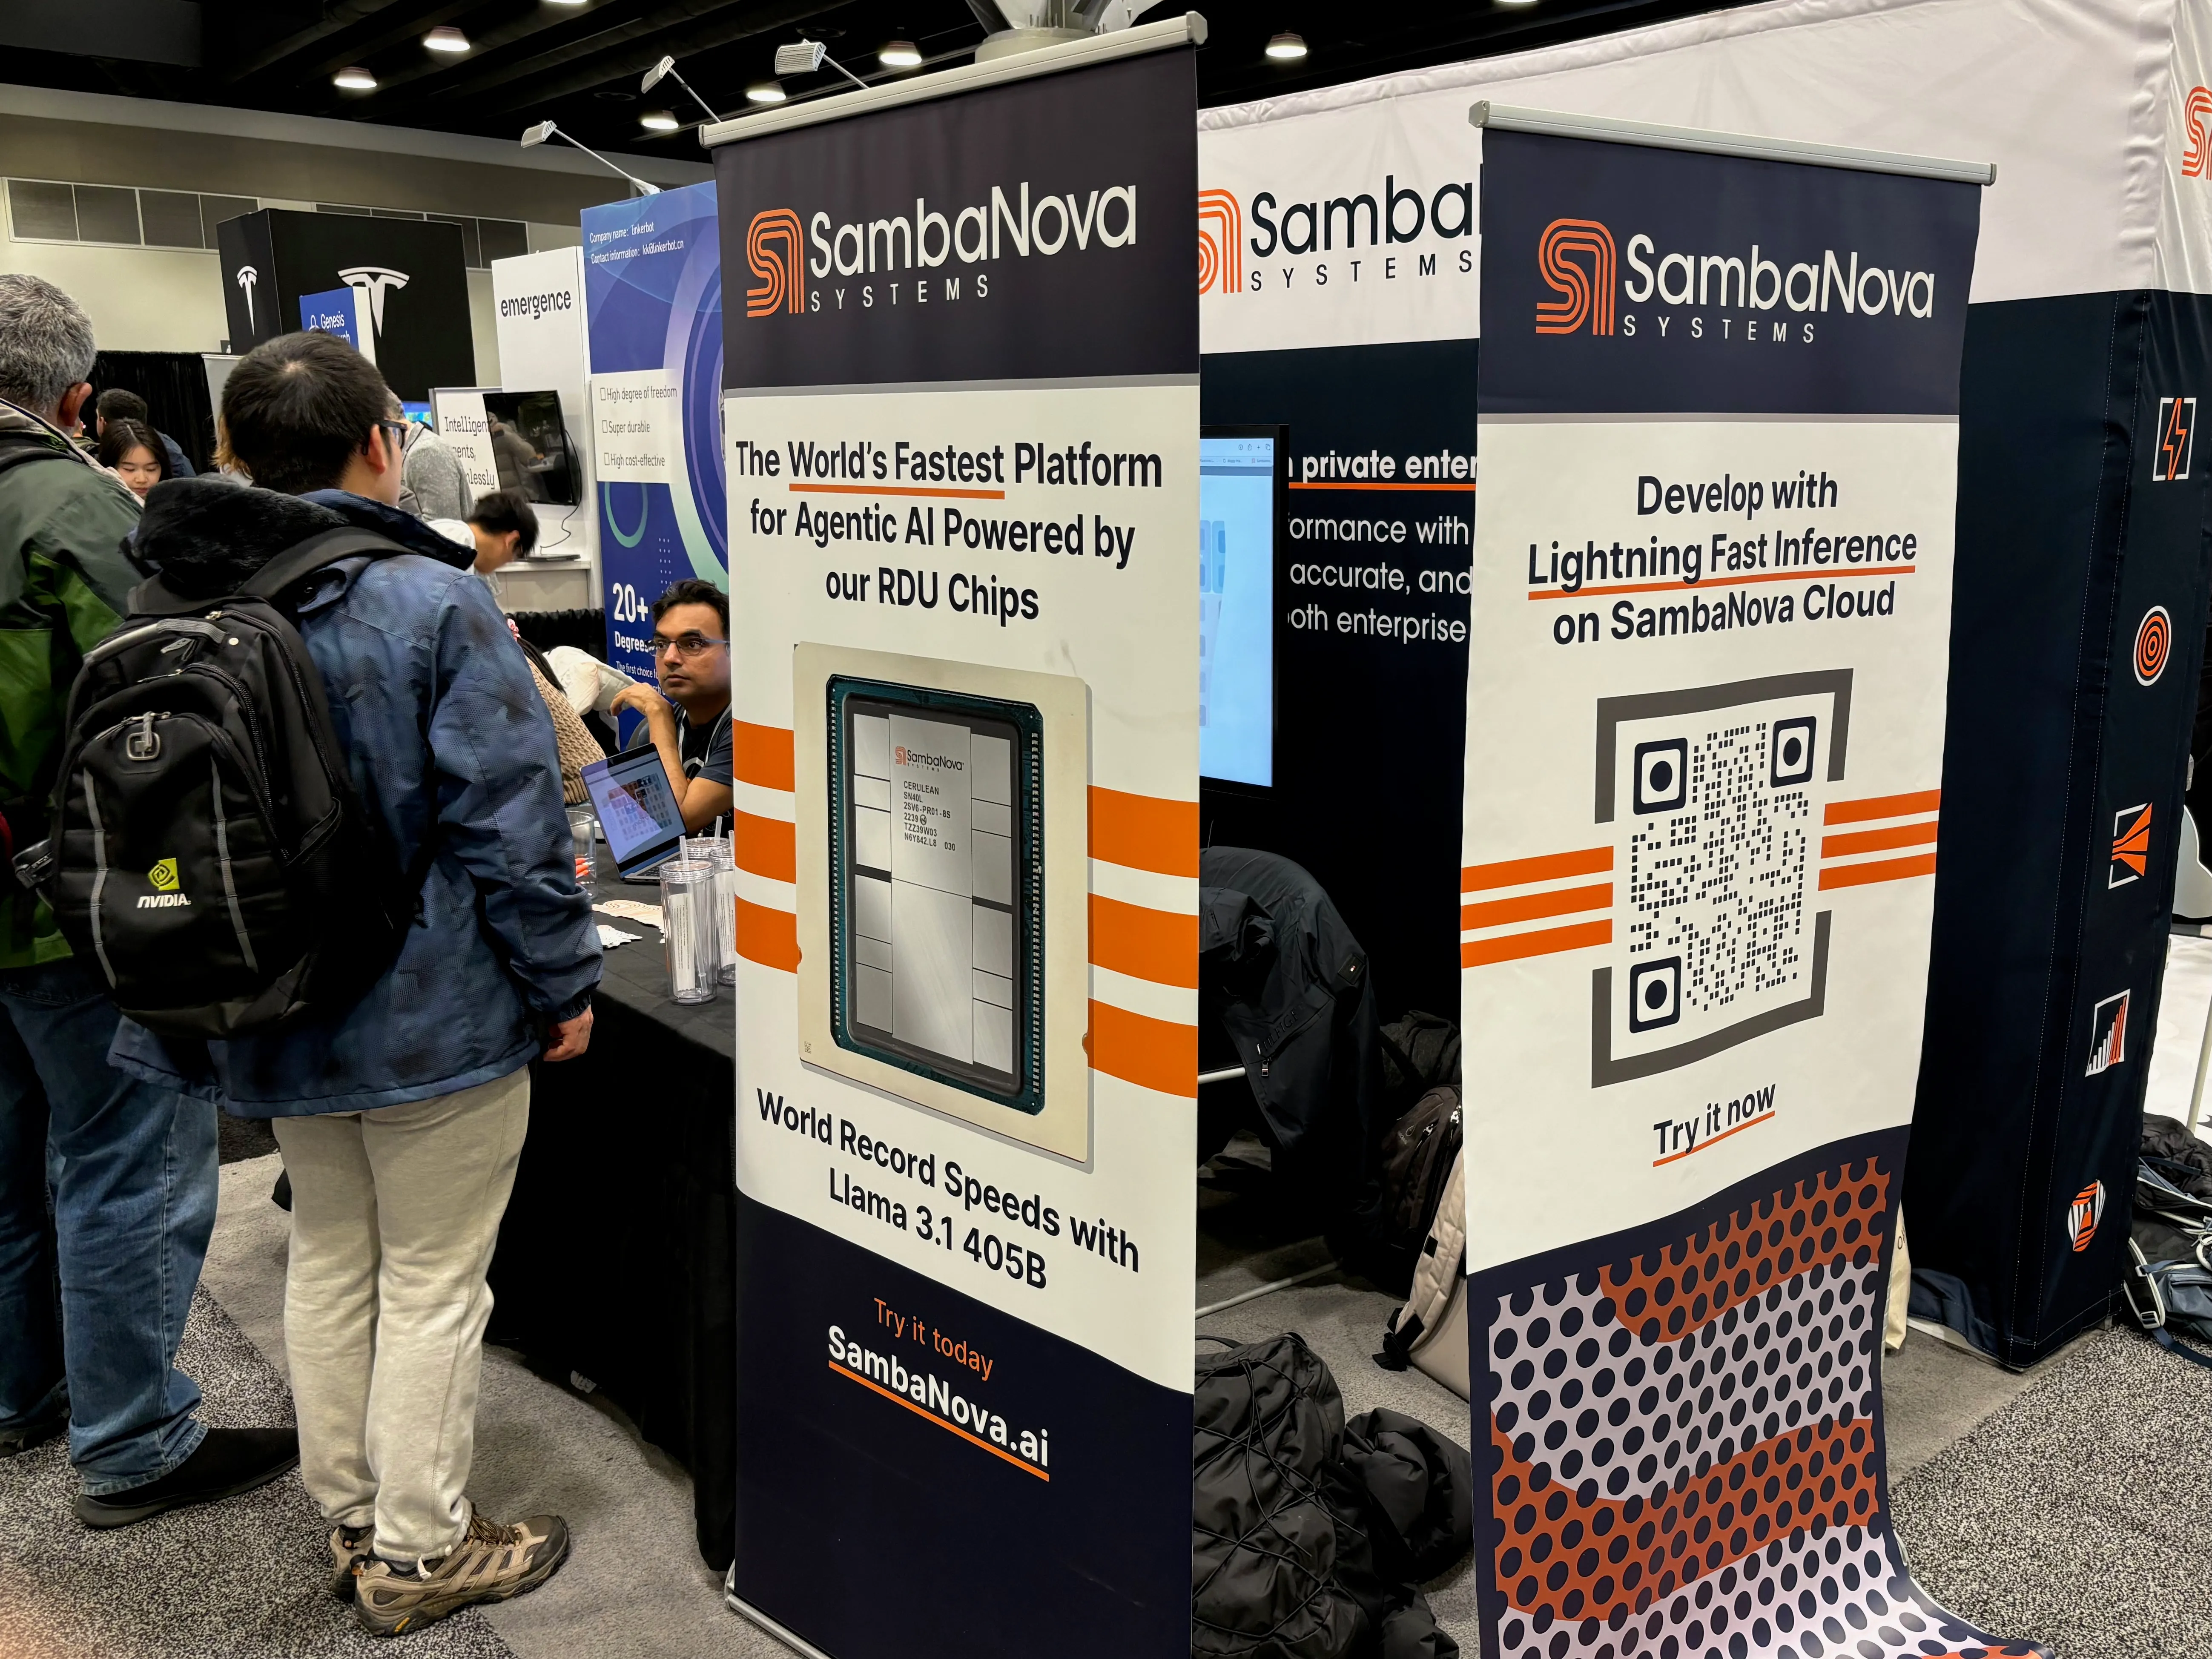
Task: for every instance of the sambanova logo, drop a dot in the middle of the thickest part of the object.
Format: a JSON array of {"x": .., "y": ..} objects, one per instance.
[
  {"x": 2194, "y": 109},
  {"x": 1577, "y": 260},
  {"x": 1364, "y": 239},
  {"x": 783, "y": 253}
]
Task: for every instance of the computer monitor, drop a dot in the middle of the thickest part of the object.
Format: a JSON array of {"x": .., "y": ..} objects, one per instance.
[
  {"x": 530, "y": 446},
  {"x": 1240, "y": 508}
]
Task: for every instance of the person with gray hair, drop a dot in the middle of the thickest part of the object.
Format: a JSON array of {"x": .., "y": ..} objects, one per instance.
[{"x": 96, "y": 1275}]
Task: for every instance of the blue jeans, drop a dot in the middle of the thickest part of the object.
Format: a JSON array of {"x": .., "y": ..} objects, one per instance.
[{"x": 107, "y": 1186}]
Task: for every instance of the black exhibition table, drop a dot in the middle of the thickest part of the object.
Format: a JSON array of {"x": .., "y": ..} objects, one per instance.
[{"x": 618, "y": 1257}]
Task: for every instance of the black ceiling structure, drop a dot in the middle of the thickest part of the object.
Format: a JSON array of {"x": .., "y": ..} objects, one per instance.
[{"x": 579, "y": 62}]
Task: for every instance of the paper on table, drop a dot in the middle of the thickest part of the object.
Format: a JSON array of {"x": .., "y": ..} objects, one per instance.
[
  {"x": 611, "y": 937},
  {"x": 631, "y": 910}
]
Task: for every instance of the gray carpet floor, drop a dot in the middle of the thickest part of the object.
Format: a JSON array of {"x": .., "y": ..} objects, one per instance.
[
  {"x": 221, "y": 1581},
  {"x": 2076, "y": 1514},
  {"x": 2064, "y": 1505}
]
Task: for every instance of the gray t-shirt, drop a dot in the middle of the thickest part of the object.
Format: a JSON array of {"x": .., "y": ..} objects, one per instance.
[{"x": 435, "y": 475}]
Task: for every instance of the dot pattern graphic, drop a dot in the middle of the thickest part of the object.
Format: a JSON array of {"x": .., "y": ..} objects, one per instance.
[{"x": 1682, "y": 1458}]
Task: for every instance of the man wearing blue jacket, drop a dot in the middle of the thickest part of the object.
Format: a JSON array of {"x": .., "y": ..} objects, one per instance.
[{"x": 402, "y": 1119}]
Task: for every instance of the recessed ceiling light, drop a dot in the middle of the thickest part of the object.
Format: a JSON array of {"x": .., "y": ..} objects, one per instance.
[
  {"x": 900, "y": 54},
  {"x": 1286, "y": 48},
  {"x": 765, "y": 91},
  {"x": 445, "y": 38},
  {"x": 354, "y": 78},
  {"x": 1517, "y": 3},
  {"x": 659, "y": 120},
  {"x": 567, "y": 2}
]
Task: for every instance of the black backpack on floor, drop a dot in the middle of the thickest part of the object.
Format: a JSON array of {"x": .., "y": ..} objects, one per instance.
[{"x": 208, "y": 851}]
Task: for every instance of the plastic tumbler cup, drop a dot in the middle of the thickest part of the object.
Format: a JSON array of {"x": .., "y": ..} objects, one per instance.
[
  {"x": 717, "y": 853},
  {"x": 584, "y": 832},
  {"x": 689, "y": 935}
]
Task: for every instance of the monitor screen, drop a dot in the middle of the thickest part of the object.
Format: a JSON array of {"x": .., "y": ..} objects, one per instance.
[
  {"x": 1237, "y": 513},
  {"x": 636, "y": 809},
  {"x": 530, "y": 446}
]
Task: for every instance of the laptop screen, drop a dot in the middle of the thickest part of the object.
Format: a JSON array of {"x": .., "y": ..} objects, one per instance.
[{"x": 637, "y": 811}]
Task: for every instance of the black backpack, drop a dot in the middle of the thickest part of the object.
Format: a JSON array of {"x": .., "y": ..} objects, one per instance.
[
  {"x": 1416, "y": 1159},
  {"x": 2167, "y": 1279},
  {"x": 207, "y": 849}
]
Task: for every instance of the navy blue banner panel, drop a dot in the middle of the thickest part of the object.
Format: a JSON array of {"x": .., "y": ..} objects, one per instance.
[
  {"x": 1718, "y": 403},
  {"x": 2075, "y": 650}
]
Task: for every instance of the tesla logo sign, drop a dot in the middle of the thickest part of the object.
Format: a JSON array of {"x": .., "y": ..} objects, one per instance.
[
  {"x": 1587, "y": 295},
  {"x": 247, "y": 276},
  {"x": 373, "y": 283}
]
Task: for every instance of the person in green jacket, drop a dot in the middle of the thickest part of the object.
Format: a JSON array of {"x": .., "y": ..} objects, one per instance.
[{"x": 131, "y": 1166}]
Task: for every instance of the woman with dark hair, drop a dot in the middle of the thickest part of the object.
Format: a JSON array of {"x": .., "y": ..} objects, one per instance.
[{"x": 130, "y": 450}]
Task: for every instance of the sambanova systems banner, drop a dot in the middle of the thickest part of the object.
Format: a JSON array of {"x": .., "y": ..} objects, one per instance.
[
  {"x": 652, "y": 297},
  {"x": 961, "y": 433},
  {"x": 1718, "y": 414}
]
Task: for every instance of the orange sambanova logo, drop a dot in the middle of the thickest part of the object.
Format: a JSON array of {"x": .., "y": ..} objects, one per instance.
[
  {"x": 774, "y": 248},
  {"x": 1588, "y": 293},
  {"x": 2193, "y": 112},
  {"x": 1220, "y": 242}
]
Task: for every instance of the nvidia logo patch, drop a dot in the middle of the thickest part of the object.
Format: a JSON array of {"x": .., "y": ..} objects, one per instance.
[{"x": 166, "y": 894}]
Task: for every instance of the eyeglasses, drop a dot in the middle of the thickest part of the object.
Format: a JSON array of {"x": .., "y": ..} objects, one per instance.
[
  {"x": 398, "y": 431},
  {"x": 683, "y": 645}
]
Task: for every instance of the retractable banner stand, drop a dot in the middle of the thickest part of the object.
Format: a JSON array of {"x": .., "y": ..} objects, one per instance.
[
  {"x": 960, "y": 432},
  {"x": 1719, "y": 405}
]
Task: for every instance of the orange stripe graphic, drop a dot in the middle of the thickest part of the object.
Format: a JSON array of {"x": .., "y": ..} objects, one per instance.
[
  {"x": 1687, "y": 588},
  {"x": 1882, "y": 806},
  {"x": 1859, "y": 875},
  {"x": 1878, "y": 841},
  {"x": 1748, "y": 1123},
  {"x": 760, "y": 755},
  {"x": 1549, "y": 866},
  {"x": 1529, "y": 906},
  {"x": 1159, "y": 945},
  {"x": 949, "y": 1428},
  {"x": 766, "y": 847},
  {"x": 894, "y": 490},
  {"x": 1544, "y": 942},
  {"x": 1153, "y": 1053},
  {"x": 768, "y": 937},
  {"x": 1143, "y": 832}
]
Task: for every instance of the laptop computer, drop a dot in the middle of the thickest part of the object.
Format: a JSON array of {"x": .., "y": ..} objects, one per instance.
[{"x": 636, "y": 811}]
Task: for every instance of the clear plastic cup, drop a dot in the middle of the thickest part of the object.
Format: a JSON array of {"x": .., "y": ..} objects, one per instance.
[
  {"x": 718, "y": 854},
  {"x": 689, "y": 938},
  {"x": 584, "y": 834}
]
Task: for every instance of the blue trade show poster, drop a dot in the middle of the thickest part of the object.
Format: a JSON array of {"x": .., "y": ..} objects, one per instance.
[
  {"x": 337, "y": 310},
  {"x": 653, "y": 296}
]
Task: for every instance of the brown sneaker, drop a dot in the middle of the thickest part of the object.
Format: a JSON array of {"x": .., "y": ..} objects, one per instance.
[
  {"x": 490, "y": 1563},
  {"x": 349, "y": 1554}
]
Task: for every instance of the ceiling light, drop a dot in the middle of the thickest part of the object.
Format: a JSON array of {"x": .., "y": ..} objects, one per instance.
[
  {"x": 659, "y": 120},
  {"x": 900, "y": 54},
  {"x": 1517, "y": 3},
  {"x": 354, "y": 78},
  {"x": 765, "y": 91},
  {"x": 1286, "y": 48},
  {"x": 800, "y": 57},
  {"x": 567, "y": 2},
  {"x": 445, "y": 38}
]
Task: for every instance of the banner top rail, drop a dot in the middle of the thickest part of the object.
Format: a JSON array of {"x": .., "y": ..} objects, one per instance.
[
  {"x": 1188, "y": 29},
  {"x": 1558, "y": 123}
]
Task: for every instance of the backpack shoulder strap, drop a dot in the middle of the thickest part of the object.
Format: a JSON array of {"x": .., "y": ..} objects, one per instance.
[
  {"x": 18, "y": 453},
  {"x": 318, "y": 552}
]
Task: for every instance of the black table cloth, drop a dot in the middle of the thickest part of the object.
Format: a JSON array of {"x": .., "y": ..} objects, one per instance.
[{"x": 618, "y": 1257}]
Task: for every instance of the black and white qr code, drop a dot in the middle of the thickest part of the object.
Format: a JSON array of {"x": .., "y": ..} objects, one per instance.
[{"x": 1718, "y": 853}]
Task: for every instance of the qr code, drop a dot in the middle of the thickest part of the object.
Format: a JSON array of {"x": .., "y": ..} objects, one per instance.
[{"x": 1717, "y": 857}]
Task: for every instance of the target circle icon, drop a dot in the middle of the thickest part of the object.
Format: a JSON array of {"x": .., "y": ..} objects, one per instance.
[{"x": 2153, "y": 640}]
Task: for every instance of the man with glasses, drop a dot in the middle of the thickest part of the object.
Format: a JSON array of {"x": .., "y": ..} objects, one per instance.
[{"x": 688, "y": 721}]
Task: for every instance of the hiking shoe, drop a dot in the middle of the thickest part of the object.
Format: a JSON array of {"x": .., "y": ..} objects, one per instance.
[
  {"x": 350, "y": 1554},
  {"x": 227, "y": 1461},
  {"x": 42, "y": 1426},
  {"x": 490, "y": 1563}
]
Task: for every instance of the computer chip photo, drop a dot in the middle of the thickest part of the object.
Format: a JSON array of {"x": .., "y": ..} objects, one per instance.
[
  {"x": 937, "y": 878},
  {"x": 943, "y": 886}
]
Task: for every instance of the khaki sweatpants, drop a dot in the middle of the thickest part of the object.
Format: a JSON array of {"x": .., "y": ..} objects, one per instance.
[{"x": 395, "y": 1212}]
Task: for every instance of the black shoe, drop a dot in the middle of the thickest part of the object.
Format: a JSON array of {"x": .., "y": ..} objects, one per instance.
[
  {"x": 36, "y": 1431},
  {"x": 229, "y": 1461}
]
